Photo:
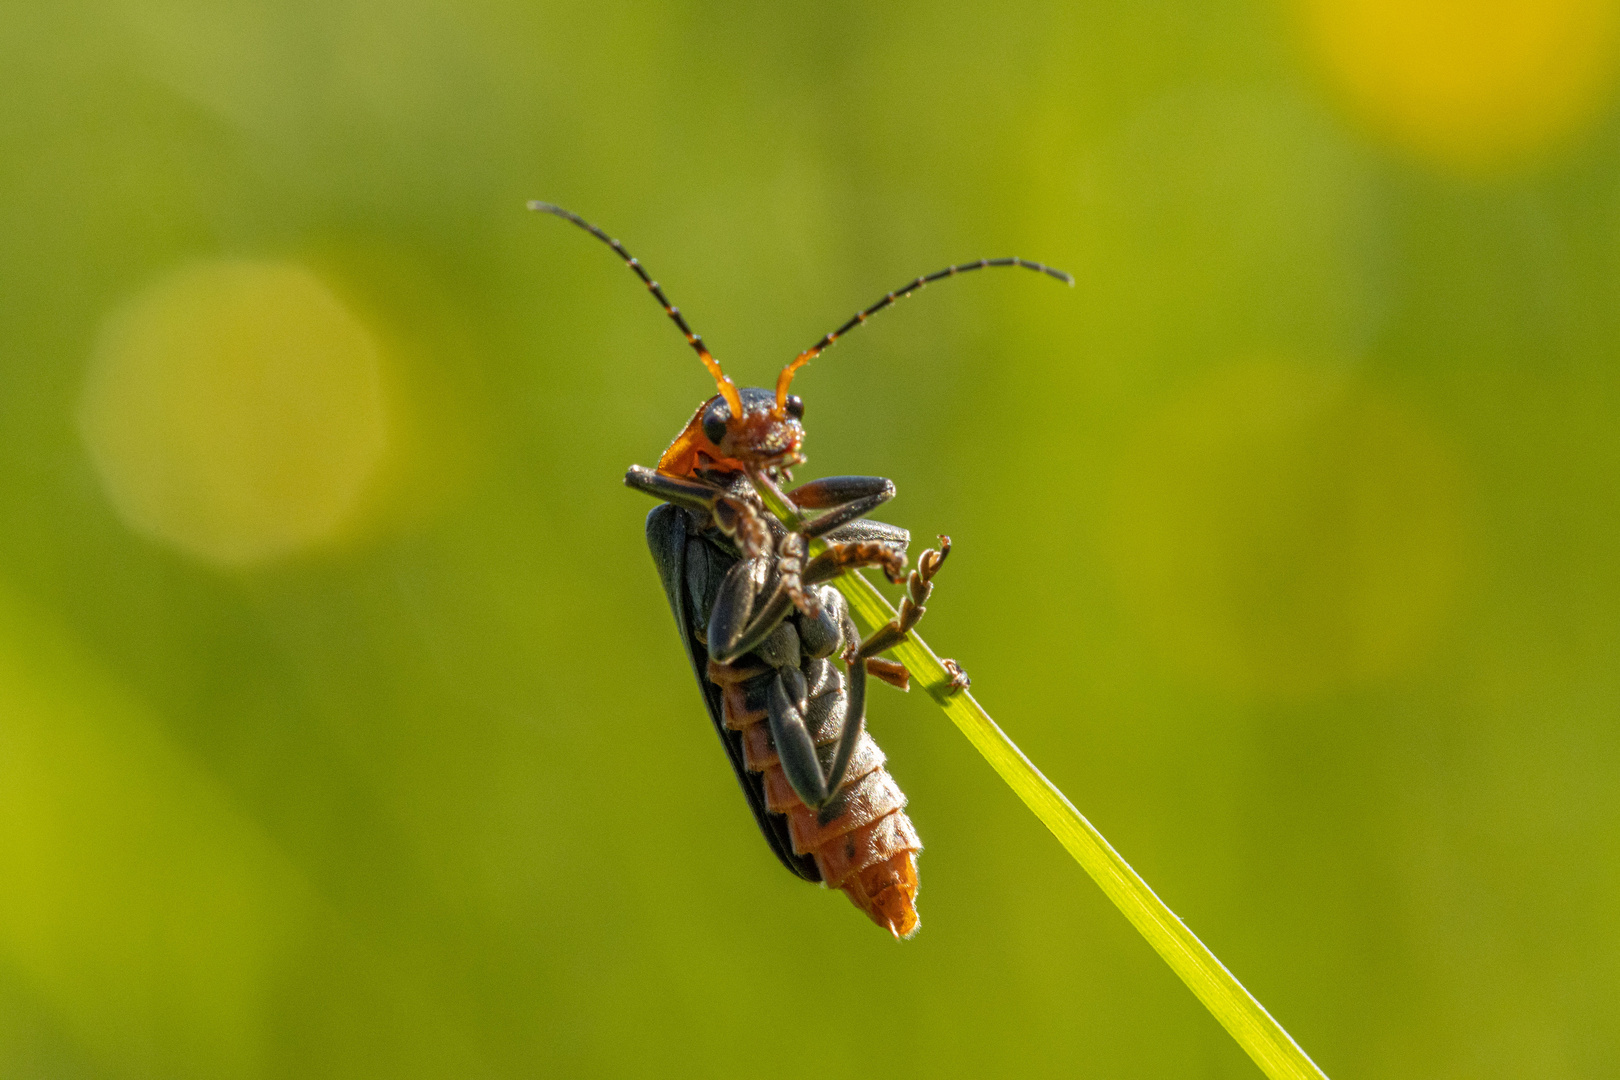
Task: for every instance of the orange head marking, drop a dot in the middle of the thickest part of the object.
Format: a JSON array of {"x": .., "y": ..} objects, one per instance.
[{"x": 750, "y": 436}]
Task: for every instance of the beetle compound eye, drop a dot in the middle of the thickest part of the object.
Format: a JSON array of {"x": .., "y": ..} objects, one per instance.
[
  {"x": 795, "y": 406},
  {"x": 714, "y": 424}
]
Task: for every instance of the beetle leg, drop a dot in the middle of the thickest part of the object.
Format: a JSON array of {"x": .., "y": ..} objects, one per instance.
[
  {"x": 796, "y": 750},
  {"x": 690, "y": 494},
  {"x": 732, "y": 631},
  {"x": 734, "y": 627},
  {"x": 918, "y": 587},
  {"x": 745, "y": 524},
  {"x": 790, "y": 570},
  {"x": 890, "y": 671},
  {"x": 832, "y": 491},
  {"x": 854, "y": 718},
  {"x": 869, "y": 530},
  {"x": 795, "y": 747},
  {"x": 749, "y": 637},
  {"x": 840, "y": 557},
  {"x": 735, "y": 517},
  {"x": 845, "y": 498}
]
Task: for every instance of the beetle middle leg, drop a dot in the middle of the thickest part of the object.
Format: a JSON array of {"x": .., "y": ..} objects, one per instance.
[
  {"x": 735, "y": 626},
  {"x": 850, "y": 544},
  {"x": 919, "y": 586},
  {"x": 854, "y": 555}
]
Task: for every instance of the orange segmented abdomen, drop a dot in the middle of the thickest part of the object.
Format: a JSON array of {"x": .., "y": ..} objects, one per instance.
[{"x": 869, "y": 849}]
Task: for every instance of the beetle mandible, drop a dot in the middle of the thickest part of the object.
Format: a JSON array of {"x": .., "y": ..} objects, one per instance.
[{"x": 761, "y": 624}]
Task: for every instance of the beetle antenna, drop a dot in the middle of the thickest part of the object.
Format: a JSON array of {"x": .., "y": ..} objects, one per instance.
[
  {"x": 728, "y": 389},
  {"x": 786, "y": 377}
]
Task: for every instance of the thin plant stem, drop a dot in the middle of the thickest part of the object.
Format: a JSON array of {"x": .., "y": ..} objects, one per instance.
[{"x": 1244, "y": 1018}]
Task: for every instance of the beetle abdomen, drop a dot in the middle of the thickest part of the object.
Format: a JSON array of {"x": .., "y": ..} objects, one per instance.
[{"x": 868, "y": 846}]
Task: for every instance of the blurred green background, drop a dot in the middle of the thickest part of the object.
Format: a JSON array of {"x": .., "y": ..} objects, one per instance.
[{"x": 344, "y": 730}]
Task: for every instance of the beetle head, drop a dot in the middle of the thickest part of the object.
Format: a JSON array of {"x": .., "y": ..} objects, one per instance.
[{"x": 758, "y": 439}]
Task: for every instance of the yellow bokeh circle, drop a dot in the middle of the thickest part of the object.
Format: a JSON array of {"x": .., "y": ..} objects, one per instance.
[
  {"x": 236, "y": 410},
  {"x": 1280, "y": 531},
  {"x": 1471, "y": 84}
]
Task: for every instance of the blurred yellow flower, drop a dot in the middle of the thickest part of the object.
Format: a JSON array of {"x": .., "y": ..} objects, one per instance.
[
  {"x": 236, "y": 410},
  {"x": 1472, "y": 84}
]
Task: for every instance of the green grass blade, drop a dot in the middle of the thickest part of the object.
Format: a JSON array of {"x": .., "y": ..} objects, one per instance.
[{"x": 1244, "y": 1018}]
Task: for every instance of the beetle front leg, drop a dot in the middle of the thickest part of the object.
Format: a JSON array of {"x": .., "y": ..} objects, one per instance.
[
  {"x": 845, "y": 498},
  {"x": 735, "y": 517},
  {"x": 683, "y": 492}
]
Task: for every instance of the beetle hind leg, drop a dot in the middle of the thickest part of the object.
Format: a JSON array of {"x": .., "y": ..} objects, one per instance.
[
  {"x": 785, "y": 705},
  {"x": 795, "y": 746}
]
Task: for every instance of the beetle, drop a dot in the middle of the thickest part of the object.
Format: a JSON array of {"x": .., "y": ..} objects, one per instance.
[{"x": 761, "y": 624}]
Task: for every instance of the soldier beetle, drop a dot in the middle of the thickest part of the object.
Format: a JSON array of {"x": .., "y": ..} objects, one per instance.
[{"x": 761, "y": 624}]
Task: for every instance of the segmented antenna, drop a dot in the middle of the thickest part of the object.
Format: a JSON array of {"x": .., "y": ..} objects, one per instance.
[
  {"x": 786, "y": 377},
  {"x": 728, "y": 389}
]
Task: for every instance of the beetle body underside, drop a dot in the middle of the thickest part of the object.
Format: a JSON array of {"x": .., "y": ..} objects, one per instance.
[
  {"x": 868, "y": 849},
  {"x": 862, "y": 842}
]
